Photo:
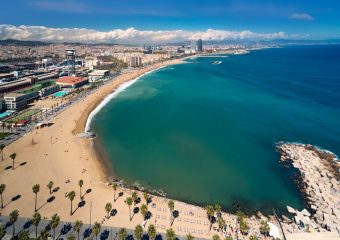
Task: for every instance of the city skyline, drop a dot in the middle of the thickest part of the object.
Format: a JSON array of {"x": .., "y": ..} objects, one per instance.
[{"x": 167, "y": 21}]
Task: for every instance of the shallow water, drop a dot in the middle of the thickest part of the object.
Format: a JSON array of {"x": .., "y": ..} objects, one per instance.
[{"x": 206, "y": 133}]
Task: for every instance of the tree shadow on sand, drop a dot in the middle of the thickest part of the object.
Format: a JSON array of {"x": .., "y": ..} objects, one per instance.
[
  {"x": 49, "y": 200},
  {"x": 15, "y": 198}
]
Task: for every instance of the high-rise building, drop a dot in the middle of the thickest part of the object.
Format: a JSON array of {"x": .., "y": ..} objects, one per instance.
[
  {"x": 193, "y": 45},
  {"x": 199, "y": 45}
]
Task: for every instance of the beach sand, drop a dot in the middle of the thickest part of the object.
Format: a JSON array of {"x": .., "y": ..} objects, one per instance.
[{"x": 55, "y": 154}]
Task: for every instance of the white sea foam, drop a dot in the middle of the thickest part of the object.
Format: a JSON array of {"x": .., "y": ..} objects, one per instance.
[{"x": 112, "y": 95}]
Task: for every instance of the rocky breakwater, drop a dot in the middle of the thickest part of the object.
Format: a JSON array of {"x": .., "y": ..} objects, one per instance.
[{"x": 319, "y": 181}]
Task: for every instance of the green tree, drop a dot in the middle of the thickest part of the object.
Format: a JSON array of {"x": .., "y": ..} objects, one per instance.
[
  {"x": 252, "y": 237},
  {"x": 152, "y": 232},
  {"x": 44, "y": 235},
  {"x": 244, "y": 228},
  {"x": 80, "y": 183},
  {"x": 2, "y": 146},
  {"x": 190, "y": 237},
  {"x": 171, "y": 206},
  {"x": 221, "y": 223},
  {"x": 13, "y": 156},
  {"x": 210, "y": 213},
  {"x": 122, "y": 234},
  {"x": 218, "y": 209},
  {"x": 54, "y": 223},
  {"x": 50, "y": 186},
  {"x": 264, "y": 227},
  {"x": 2, "y": 231},
  {"x": 36, "y": 220},
  {"x": 96, "y": 229},
  {"x": 138, "y": 232},
  {"x": 13, "y": 217},
  {"x": 170, "y": 234},
  {"x": 215, "y": 237},
  {"x": 146, "y": 197},
  {"x": 134, "y": 197},
  {"x": 229, "y": 238},
  {"x": 35, "y": 189},
  {"x": 71, "y": 195},
  {"x": 108, "y": 208},
  {"x": 129, "y": 203},
  {"x": 143, "y": 210},
  {"x": 24, "y": 235},
  {"x": 114, "y": 186},
  {"x": 77, "y": 227},
  {"x": 2, "y": 189}
]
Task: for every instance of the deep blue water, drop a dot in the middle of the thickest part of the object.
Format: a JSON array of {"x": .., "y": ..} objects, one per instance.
[{"x": 206, "y": 133}]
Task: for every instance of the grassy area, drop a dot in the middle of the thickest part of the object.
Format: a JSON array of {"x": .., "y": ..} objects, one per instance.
[
  {"x": 25, "y": 115},
  {"x": 3, "y": 135}
]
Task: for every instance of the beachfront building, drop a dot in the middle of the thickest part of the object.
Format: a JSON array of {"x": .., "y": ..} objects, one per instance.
[
  {"x": 72, "y": 81},
  {"x": 135, "y": 61},
  {"x": 91, "y": 62},
  {"x": 99, "y": 75},
  {"x": 18, "y": 101},
  {"x": 49, "y": 90}
]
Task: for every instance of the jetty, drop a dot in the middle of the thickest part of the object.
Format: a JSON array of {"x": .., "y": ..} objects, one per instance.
[{"x": 318, "y": 179}]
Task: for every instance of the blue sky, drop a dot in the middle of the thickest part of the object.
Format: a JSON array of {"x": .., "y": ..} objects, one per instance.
[{"x": 311, "y": 18}]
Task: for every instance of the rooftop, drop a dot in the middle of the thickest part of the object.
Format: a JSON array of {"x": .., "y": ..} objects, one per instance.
[{"x": 71, "y": 80}]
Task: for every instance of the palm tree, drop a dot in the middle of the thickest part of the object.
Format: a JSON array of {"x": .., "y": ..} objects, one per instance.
[
  {"x": 122, "y": 234},
  {"x": 50, "y": 186},
  {"x": 54, "y": 223},
  {"x": 2, "y": 231},
  {"x": 129, "y": 203},
  {"x": 221, "y": 223},
  {"x": 108, "y": 208},
  {"x": 218, "y": 209},
  {"x": 80, "y": 183},
  {"x": 152, "y": 232},
  {"x": 210, "y": 213},
  {"x": 114, "y": 186},
  {"x": 36, "y": 189},
  {"x": 264, "y": 228},
  {"x": 146, "y": 197},
  {"x": 190, "y": 237},
  {"x": 36, "y": 220},
  {"x": 96, "y": 229},
  {"x": 44, "y": 235},
  {"x": 77, "y": 227},
  {"x": 171, "y": 206},
  {"x": 71, "y": 195},
  {"x": 13, "y": 217},
  {"x": 216, "y": 237},
  {"x": 2, "y": 146},
  {"x": 170, "y": 234},
  {"x": 3, "y": 125},
  {"x": 138, "y": 232},
  {"x": 13, "y": 156},
  {"x": 2, "y": 189},
  {"x": 134, "y": 197},
  {"x": 144, "y": 210},
  {"x": 24, "y": 235}
]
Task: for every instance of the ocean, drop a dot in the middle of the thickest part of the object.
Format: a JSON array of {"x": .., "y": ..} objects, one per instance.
[{"x": 206, "y": 133}]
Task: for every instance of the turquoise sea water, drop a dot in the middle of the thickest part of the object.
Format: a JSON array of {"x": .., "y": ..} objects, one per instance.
[{"x": 206, "y": 133}]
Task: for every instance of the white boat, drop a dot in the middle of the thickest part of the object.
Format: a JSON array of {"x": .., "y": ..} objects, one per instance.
[{"x": 217, "y": 62}]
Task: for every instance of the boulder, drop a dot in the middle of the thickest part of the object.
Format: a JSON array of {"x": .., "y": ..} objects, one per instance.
[
  {"x": 305, "y": 213},
  {"x": 291, "y": 210}
]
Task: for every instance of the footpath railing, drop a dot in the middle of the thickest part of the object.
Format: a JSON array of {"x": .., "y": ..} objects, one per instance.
[{"x": 278, "y": 220}]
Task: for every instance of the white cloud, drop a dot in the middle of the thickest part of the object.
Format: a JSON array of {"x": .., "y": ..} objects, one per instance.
[
  {"x": 129, "y": 35},
  {"x": 302, "y": 16}
]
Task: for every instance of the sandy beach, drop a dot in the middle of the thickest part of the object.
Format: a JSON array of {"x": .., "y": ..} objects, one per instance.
[{"x": 55, "y": 154}]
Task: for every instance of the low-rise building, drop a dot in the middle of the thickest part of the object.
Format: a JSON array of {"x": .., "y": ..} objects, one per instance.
[
  {"x": 49, "y": 90},
  {"x": 99, "y": 75},
  {"x": 18, "y": 101},
  {"x": 72, "y": 81}
]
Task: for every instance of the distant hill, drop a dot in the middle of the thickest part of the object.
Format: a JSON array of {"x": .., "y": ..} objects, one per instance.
[{"x": 22, "y": 43}]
